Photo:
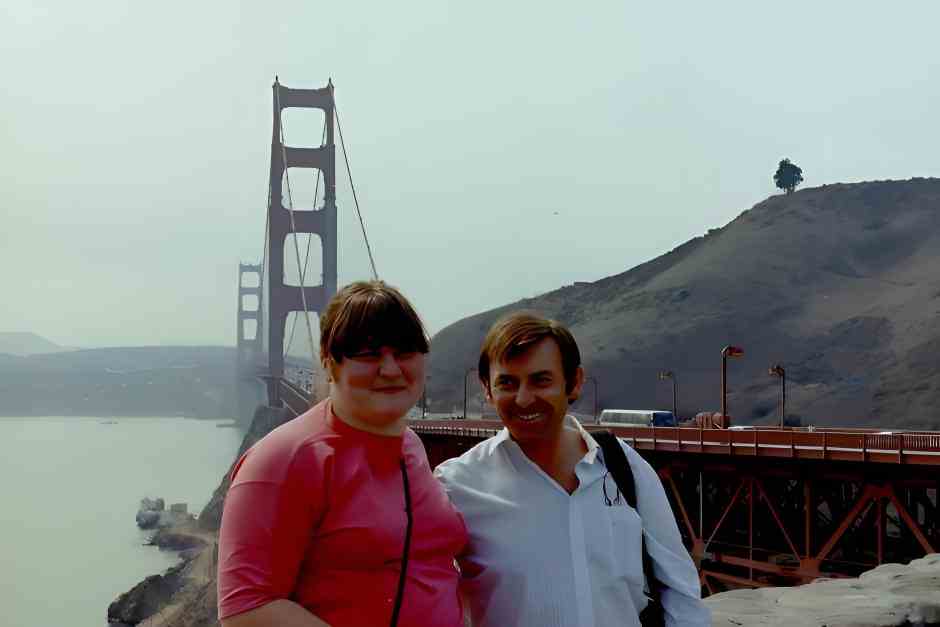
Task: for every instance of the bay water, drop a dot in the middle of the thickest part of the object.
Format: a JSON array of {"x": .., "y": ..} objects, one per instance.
[{"x": 69, "y": 490}]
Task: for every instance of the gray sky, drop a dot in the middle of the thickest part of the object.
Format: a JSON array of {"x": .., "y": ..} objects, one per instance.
[{"x": 499, "y": 149}]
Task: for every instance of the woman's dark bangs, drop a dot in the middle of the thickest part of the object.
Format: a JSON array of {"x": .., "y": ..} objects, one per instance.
[{"x": 379, "y": 321}]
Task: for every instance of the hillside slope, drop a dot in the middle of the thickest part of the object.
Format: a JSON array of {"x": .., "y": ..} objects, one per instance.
[
  {"x": 196, "y": 381},
  {"x": 22, "y": 344},
  {"x": 837, "y": 283}
]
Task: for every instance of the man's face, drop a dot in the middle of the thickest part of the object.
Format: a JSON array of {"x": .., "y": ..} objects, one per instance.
[{"x": 529, "y": 394}]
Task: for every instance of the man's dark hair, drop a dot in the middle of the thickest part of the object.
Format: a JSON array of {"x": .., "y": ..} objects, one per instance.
[
  {"x": 515, "y": 333},
  {"x": 366, "y": 315}
]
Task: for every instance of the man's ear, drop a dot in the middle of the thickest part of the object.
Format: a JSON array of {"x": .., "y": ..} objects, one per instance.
[{"x": 575, "y": 393}]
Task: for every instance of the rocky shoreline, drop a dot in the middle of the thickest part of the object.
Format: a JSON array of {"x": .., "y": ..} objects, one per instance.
[
  {"x": 178, "y": 587},
  {"x": 185, "y": 595}
]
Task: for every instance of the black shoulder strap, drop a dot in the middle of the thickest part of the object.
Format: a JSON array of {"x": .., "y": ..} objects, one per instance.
[
  {"x": 617, "y": 465},
  {"x": 619, "y": 468},
  {"x": 399, "y": 595}
]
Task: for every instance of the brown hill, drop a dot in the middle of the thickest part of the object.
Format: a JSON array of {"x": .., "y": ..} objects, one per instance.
[{"x": 837, "y": 283}]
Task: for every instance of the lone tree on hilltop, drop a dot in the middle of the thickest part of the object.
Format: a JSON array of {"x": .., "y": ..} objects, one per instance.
[{"x": 788, "y": 176}]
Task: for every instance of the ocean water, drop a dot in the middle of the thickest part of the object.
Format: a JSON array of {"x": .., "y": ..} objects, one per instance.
[{"x": 69, "y": 490}]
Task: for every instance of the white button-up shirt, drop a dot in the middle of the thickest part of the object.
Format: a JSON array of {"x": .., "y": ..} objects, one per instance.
[{"x": 539, "y": 557}]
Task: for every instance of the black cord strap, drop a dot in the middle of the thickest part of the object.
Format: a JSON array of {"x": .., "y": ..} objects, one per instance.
[{"x": 404, "y": 556}]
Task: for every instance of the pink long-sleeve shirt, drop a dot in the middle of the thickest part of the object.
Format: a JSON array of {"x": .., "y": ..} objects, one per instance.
[{"x": 315, "y": 514}]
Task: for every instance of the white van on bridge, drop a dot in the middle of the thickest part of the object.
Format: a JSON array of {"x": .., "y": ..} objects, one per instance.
[{"x": 641, "y": 417}]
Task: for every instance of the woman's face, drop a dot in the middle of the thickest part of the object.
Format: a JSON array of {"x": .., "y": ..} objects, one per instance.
[{"x": 373, "y": 389}]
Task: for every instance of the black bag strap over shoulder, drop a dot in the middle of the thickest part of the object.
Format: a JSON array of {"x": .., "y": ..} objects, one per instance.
[
  {"x": 399, "y": 595},
  {"x": 619, "y": 469}
]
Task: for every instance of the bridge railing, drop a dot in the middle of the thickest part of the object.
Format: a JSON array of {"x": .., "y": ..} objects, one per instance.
[
  {"x": 862, "y": 445},
  {"x": 915, "y": 448}
]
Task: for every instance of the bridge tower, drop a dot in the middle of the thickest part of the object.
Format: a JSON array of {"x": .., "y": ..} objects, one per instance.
[
  {"x": 283, "y": 299},
  {"x": 249, "y": 346},
  {"x": 249, "y": 343}
]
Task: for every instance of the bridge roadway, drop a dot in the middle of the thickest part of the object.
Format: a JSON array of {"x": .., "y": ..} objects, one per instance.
[{"x": 768, "y": 506}]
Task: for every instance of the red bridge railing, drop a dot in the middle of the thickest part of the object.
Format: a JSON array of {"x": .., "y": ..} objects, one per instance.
[{"x": 921, "y": 448}]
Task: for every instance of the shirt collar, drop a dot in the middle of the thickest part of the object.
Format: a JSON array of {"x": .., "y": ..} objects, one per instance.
[
  {"x": 591, "y": 443},
  {"x": 590, "y": 457}
]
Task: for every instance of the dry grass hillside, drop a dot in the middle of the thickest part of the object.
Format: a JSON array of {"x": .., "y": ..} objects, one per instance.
[{"x": 837, "y": 283}]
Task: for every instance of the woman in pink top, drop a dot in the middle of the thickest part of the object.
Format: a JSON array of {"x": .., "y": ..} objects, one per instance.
[{"x": 321, "y": 511}]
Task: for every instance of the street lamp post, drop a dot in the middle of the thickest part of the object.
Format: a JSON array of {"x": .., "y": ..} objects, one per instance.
[
  {"x": 594, "y": 381},
  {"x": 469, "y": 370},
  {"x": 777, "y": 370},
  {"x": 669, "y": 374},
  {"x": 424, "y": 399},
  {"x": 726, "y": 352}
]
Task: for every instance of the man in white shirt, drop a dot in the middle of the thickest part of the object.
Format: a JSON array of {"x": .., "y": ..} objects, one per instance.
[{"x": 550, "y": 544}]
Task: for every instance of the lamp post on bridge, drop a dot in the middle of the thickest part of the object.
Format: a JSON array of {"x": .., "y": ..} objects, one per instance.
[
  {"x": 594, "y": 381},
  {"x": 726, "y": 352},
  {"x": 469, "y": 370},
  {"x": 424, "y": 398},
  {"x": 777, "y": 370},
  {"x": 669, "y": 374}
]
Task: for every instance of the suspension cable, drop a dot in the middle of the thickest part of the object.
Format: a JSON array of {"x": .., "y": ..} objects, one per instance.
[
  {"x": 375, "y": 274},
  {"x": 303, "y": 272},
  {"x": 293, "y": 226},
  {"x": 263, "y": 274}
]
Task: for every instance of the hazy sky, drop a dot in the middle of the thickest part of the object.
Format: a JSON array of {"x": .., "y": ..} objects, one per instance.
[{"x": 499, "y": 149}]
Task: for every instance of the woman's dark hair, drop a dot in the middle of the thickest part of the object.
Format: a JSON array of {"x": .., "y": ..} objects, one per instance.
[
  {"x": 515, "y": 333},
  {"x": 369, "y": 314}
]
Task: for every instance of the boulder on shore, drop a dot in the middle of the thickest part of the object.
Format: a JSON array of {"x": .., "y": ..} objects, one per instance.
[
  {"x": 888, "y": 596},
  {"x": 154, "y": 515}
]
